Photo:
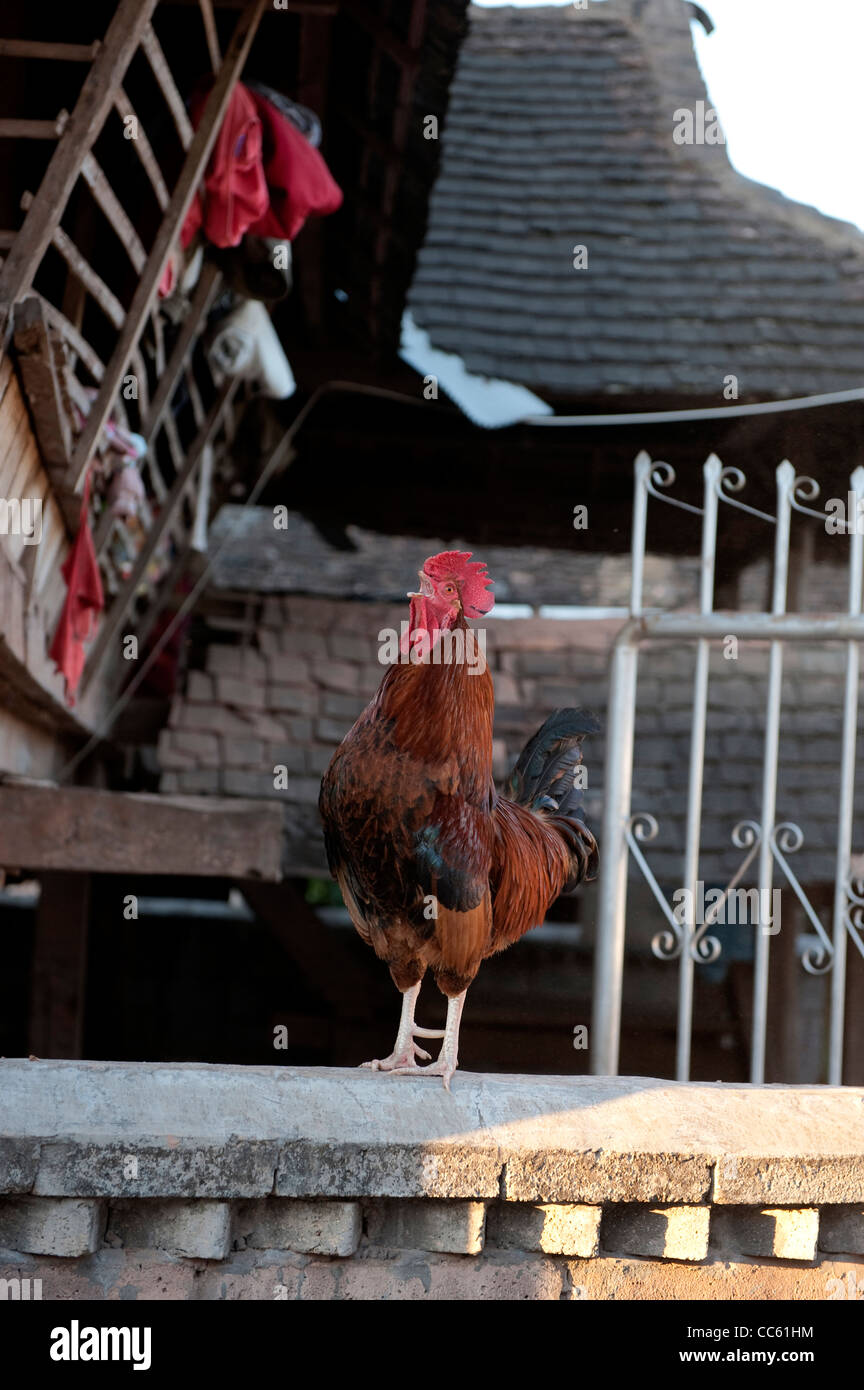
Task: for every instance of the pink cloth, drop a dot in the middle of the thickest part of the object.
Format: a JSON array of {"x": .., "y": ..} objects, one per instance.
[{"x": 84, "y": 602}]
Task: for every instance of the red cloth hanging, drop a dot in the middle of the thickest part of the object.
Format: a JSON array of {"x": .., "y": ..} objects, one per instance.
[
  {"x": 299, "y": 182},
  {"x": 84, "y": 602},
  {"x": 263, "y": 176},
  {"x": 235, "y": 189}
]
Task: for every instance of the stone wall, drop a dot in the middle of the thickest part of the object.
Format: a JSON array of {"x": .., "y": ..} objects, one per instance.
[{"x": 125, "y": 1181}]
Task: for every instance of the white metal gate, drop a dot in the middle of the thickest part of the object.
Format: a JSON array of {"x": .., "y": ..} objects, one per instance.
[{"x": 765, "y": 840}]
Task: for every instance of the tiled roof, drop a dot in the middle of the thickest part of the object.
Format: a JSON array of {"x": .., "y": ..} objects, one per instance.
[{"x": 560, "y": 134}]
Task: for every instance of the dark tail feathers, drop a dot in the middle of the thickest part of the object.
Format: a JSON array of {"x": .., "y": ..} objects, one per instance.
[{"x": 543, "y": 779}]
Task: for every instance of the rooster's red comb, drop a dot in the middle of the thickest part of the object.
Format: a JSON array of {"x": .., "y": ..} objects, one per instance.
[{"x": 471, "y": 576}]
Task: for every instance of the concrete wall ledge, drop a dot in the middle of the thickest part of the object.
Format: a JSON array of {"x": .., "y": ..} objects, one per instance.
[{"x": 120, "y": 1129}]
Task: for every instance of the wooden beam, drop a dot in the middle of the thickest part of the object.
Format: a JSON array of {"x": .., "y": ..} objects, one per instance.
[
  {"x": 41, "y": 383},
  {"x": 161, "y": 71},
  {"x": 117, "y": 613},
  {"x": 193, "y": 169},
  {"x": 36, "y": 48},
  {"x": 59, "y": 970},
  {"x": 94, "y": 177},
  {"x": 143, "y": 149},
  {"x": 205, "y": 293},
  {"x": 212, "y": 36},
  {"x": 80, "y": 829},
  {"x": 91, "y": 108},
  {"x": 15, "y": 128}
]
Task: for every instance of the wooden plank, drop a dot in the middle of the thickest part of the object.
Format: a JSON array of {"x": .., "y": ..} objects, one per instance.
[
  {"x": 205, "y": 293},
  {"x": 59, "y": 970},
  {"x": 165, "y": 78},
  {"x": 143, "y": 149},
  {"x": 210, "y": 32},
  {"x": 82, "y": 828},
  {"x": 41, "y": 382},
  {"x": 117, "y": 614},
  {"x": 107, "y": 301},
  {"x": 13, "y": 128},
  {"x": 193, "y": 169},
  {"x": 94, "y": 177},
  {"x": 91, "y": 108},
  {"x": 37, "y": 48}
]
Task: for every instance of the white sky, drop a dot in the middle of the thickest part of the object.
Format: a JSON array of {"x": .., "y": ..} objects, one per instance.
[{"x": 786, "y": 77}]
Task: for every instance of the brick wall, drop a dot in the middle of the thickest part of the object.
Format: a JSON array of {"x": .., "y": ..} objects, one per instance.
[
  {"x": 297, "y": 671},
  {"x": 131, "y": 1181}
]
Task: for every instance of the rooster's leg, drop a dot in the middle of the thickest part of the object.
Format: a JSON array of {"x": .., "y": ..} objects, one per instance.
[
  {"x": 404, "y": 1054},
  {"x": 448, "y": 1058}
]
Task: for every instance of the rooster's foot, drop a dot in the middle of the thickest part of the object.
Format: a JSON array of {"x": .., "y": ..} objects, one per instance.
[
  {"x": 401, "y": 1060},
  {"x": 444, "y": 1067}
]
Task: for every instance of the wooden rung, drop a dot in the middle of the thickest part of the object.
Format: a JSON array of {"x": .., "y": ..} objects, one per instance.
[
  {"x": 161, "y": 71},
  {"x": 91, "y": 361},
  {"x": 12, "y": 128},
  {"x": 206, "y": 8},
  {"x": 143, "y": 149},
  {"x": 36, "y": 48},
  {"x": 113, "y": 209}
]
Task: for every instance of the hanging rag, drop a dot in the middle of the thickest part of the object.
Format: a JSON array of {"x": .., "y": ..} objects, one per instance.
[
  {"x": 235, "y": 192},
  {"x": 83, "y": 604},
  {"x": 299, "y": 182},
  {"x": 247, "y": 345},
  {"x": 263, "y": 177}
]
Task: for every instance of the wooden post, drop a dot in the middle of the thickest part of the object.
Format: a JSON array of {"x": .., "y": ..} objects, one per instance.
[{"x": 57, "y": 981}]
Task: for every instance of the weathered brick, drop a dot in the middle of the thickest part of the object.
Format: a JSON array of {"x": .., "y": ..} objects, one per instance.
[
  {"x": 66, "y": 1226},
  {"x": 195, "y": 1229},
  {"x": 203, "y": 780},
  {"x": 304, "y": 643},
  {"x": 312, "y": 1228},
  {"x": 551, "y": 1228},
  {"x": 288, "y": 669},
  {"x": 19, "y": 1160},
  {"x": 199, "y": 687},
  {"x": 243, "y": 663},
  {"x": 337, "y": 675},
  {"x": 345, "y": 707},
  {"x": 202, "y": 749},
  {"x": 842, "y": 1229},
  {"x": 235, "y": 691},
  {"x": 170, "y": 755},
  {"x": 243, "y": 782},
  {"x": 329, "y": 730},
  {"x": 287, "y": 755},
  {"x": 780, "y": 1233},
  {"x": 242, "y": 752},
  {"x": 317, "y": 760},
  {"x": 671, "y": 1233},
  {"x": 454, "y": 1227},
  {"x": 292, "y": 700},
  {"x": 346, "y": 647}
]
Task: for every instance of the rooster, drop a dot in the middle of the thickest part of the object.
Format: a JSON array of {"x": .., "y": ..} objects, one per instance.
[{"x": 437, "y": 868}]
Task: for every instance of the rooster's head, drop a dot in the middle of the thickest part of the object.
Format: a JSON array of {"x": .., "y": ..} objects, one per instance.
[{"x": 450, "y": 583}]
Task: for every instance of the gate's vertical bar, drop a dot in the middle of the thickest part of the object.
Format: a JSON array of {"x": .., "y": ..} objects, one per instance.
[
  {"x": 847, "y": 795},
  {"x": 785, "y": 484},
  {"x": 620, "y": 729},
  {"x": 711, "y": 474}
]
